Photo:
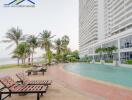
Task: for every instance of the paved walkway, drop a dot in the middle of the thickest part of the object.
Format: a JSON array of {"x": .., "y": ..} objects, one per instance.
[
  {"x": 57, "y": 91},
  {"x": 106, "y": 91}
]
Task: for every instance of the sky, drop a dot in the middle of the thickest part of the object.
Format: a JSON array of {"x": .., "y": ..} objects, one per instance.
[{"x": 58, "y": 16}]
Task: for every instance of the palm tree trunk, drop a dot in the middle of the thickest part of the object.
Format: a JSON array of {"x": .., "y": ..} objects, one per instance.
[
  {"x": 48, "y": 53},
  {"x": 18, "y": 61},
  {"x": 17, "y": 58},
  {"x": 22, "y": 60},
  {"x": 29, "y": 60},
  {"x": 32, "y": 56}
]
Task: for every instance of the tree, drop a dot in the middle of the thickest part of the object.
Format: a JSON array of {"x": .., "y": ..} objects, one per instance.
[
  {"x": 110, "y": 51},
  {"x": 73, "y": 56},
  {"x": 22, "y": 51},
  {"x": 59, "y": 48},
  {"x": 33, "y": 42},
  {"x": 46, "y": 43},
  {"x": 99, "y": 50},
  {"x": 65, "y": 41},
  {"x": 14, "y": 35}
]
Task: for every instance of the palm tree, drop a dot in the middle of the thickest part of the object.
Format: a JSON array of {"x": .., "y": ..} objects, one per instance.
[
  {"x": 14, "y": 35},
  {"x": 110, "y": 51},
  {"x": 17, "y": 55},
  {"x": 104, "y": 50},
  {"x": 59, "y": 48},
  {"x": 33, "y": 42},
  {"x": 99, "y": 50},
  {"x": 22, "y": 51},
  {"x": 46, "y": 43},
  {"x": 65, "y": 41}
]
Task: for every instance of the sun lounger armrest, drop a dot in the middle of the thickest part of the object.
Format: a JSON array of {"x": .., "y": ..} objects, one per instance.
[
  {"x": 19, "y": 82},
  {"x": 2, "y": 88}
]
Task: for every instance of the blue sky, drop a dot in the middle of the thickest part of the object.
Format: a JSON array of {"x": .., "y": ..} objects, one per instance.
[{"x": 59, "y": 16}]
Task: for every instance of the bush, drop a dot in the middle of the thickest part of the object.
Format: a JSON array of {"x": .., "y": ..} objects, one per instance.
[
  {"x": 72, "y": 59},
  {"x": 109, "y": 61},
  {"x": 128, "y": 62}
]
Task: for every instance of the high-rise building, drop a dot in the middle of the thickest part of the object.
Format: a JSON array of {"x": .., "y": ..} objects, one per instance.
[
  {"x": 118, "y": 16},
  {"x": 90, "y": 23},
  {"x": 105, "y": 23}
]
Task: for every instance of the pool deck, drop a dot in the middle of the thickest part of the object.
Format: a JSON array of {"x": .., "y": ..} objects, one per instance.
[
  {"x": 89, "y": 86},
  {"x": 57, "y": 91}
]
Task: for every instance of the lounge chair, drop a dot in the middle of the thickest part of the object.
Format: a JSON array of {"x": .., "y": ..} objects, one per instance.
[
  {"x": 25, "y": 80},
  {"x": 14, "y": 88},
  {"x": 36, "y": 70}
]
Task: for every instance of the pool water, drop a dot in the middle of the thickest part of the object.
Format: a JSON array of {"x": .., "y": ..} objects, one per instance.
[{"x": 107, "y": 73}]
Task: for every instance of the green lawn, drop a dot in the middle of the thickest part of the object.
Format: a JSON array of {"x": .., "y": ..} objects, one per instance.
[
  {"x": 20, "y": 66},
  {"x": 13, "y": 66}
]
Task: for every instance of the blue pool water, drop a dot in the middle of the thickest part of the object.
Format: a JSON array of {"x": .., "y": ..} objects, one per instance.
[{"x": 107, "y": 73}]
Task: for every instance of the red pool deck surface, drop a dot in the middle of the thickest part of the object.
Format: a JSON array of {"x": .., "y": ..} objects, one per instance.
[{"x": 109, "y": 92}]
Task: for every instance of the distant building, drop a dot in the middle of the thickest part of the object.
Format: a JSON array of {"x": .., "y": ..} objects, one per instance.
[{"x": 104, "y": 23}]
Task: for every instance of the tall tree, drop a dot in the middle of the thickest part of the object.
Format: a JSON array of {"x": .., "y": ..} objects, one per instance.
[
  {"x": 65, "y": 41},
  {"x": 110, "y": 51},
  {"x": 100, "y": 51},
  {"x": 33, "y": 42},
  {"x": 59, "y": 48},
  {"x": 14, "y": 35},
  {"x": 22, "y": 51},
  {"x": 46, "y": 43}
]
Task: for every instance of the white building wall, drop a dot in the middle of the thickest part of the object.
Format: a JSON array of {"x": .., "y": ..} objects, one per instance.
[
  {"x": 100, "y": 20},
  {"x": 90, "y": 26},
  {"x": 113, "y": 26}
]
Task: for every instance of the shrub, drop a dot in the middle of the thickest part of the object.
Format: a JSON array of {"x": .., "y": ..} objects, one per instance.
[
  {"x": 72, "y": 59},
  {"x": 128, "y": 62},
  {"x": 109, "y": 61}
]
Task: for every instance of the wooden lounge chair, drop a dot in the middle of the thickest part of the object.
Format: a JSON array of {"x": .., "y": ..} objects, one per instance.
[
  {"x": 36, "y": 70},
  {"x": 14, "y": 88},
  {"x": 24, "y": 79}
]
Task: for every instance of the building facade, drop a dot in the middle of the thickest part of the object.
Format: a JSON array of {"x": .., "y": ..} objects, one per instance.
[
  {"x": 90, "y": 18},
  {"x": 117, "y": 29}
]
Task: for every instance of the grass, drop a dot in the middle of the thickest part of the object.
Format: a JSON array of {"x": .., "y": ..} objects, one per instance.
[
  {"x": 7, "y": 66},
  {"x": 97, "y": 61},
  {"x": 14, "y": 66},
  {"x": 129, "y": 62},
  {"x": 20, "y": 66},
  {"x": 109, "y": 61}
]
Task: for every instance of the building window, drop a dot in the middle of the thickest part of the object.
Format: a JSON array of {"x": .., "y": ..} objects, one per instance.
[
  {"x": 126, "y": 42},
  {"x": 125, "y": 56}
]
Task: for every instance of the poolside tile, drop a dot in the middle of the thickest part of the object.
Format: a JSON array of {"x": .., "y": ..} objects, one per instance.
[{"x": 109, "y": 92}]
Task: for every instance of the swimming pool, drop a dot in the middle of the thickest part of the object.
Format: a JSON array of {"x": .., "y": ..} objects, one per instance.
[{"x": 117, "y": 75}]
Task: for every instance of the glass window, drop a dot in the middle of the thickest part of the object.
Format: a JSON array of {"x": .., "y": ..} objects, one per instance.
[{"x": 126, "y": 42}]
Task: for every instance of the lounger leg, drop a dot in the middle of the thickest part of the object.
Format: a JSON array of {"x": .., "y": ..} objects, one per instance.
[
  {"x": 0, "y": 96},
  {"x": 9, "y": 94},
  {"x": 38, "y": 96},
  {"x": 47, "y": 87},
  {"x": 41, "y": 94}
]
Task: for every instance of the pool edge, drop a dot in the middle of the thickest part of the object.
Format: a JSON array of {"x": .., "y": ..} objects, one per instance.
[{"x": 94, "y": 80}]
